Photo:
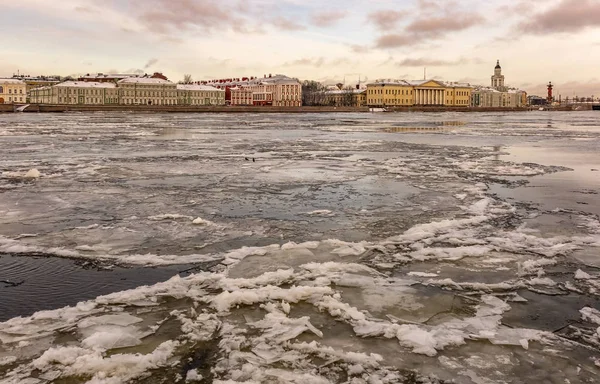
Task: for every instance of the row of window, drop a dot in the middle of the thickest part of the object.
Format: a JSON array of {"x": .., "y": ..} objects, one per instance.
[
  {"x": 10, "y": 91},
  {"x": 13, "y": 99}
]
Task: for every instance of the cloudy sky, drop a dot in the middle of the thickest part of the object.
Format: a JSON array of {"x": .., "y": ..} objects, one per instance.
[{"x": 557, "y": 40}]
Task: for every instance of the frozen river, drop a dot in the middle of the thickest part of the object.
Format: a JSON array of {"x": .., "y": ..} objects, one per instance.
[{"x": 285, "y": 248}]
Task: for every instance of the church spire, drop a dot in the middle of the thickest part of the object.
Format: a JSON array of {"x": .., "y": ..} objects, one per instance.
[{"x": 498, "y": 64}]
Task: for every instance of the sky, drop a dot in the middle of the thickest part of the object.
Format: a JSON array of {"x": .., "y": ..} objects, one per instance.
[{"x": 328, "y": 41}]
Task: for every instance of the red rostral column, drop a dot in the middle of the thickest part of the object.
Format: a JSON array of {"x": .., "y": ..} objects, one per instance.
[{"x": 550, "y": 86}]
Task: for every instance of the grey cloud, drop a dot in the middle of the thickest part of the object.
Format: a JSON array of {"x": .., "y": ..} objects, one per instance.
[
  {"x": 165, "y": 16},
  {"x": 567, "y": 16},
  {"x": 327, "y": 18},
  {"x": 424, "y": 62},
  {"x": 312, "y": 62},
  {"x": 396, "y": 40},
  {"x": 386, "y": 19},
  {"x": 285, "y": 24},
  {"x": 356, "y": 48},
  {"x": 150, "y": 63},
  {"x": 436, "y": 26},
  {"x": 432, "y": 21}
]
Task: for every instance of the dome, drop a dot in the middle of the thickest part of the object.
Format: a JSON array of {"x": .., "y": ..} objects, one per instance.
[{"x": 498, "y": 65}]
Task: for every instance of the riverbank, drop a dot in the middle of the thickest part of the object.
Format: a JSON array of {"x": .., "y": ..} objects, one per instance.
[{"x": 53, "y": 108}]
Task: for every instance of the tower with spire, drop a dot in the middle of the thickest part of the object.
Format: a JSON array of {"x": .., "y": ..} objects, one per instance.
[{"x": 498, "y": 78}]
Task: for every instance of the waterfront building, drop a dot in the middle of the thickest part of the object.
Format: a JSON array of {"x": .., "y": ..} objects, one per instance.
[
  {"x": 350, "y": 97},
  {"x": 127, "y": 91},
  {"x": 147, "y": 91},
  {"x": 12, "y": 91},
  {"x": 492, "y": 98},
  {"x": 277, "y": 91},
  {"x": 240, "y": 95},
  {"x": 498, "y": 95},
  {"x": 498, "y": 78},
  {"x": 198, "y": 94},
  {"x": 76, "y": 92},
  {"x": 402, "y": 93}
]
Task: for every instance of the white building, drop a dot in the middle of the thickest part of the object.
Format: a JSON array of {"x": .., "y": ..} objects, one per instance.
[
  {"x": 498, "y": 95},
  {"x": 76, "y": 92},
  {"x": 147, "y": 91},
  {"x": 12, "y": 91},
  {"x": 198, "y": 94}
]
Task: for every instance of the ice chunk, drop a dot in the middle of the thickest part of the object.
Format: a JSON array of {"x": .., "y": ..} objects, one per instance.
[
  {"x": 580, "y": 275},
  {"x": 590, "y": 314},
  {"x": 192, "y": 376},
  {"x": 422, "y": 274},
  {"x": 32, "y": 174},
  {"x": 110, "y": 337},
  {"x": 121, "y": 319},
  {"x": 201, "y": 221},
  {"x": 542, "y": 281}
]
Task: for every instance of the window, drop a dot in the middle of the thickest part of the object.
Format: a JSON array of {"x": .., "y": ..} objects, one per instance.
[{"x": 10, "y": 91}]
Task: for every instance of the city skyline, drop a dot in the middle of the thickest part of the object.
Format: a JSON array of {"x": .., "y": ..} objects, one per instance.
[{"x": 309, "y": 40}]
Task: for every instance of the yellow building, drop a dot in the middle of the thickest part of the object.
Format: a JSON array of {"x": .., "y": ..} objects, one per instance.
[
  {"x": 12, "y": 91},
  {"x": 402, "y": 93},
  {"x": 458, "y": 95},
  {"x": 390, "y": 93}
]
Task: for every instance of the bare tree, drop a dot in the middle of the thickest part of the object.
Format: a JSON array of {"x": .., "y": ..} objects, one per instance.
[
  {"x": 187, "y": 79},
  {"x": 313, "y": 93},
  {"x": 348, "y": 97}
]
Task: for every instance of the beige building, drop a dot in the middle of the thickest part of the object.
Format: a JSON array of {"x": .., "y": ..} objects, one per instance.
[
  {"x": 12, "y": 91},
  {"x": 76, "y": 92},
  {"x": 402, "y": 93},
  {"x": 492, "y": 98},
  {"x": 147, "y": 91},
  {"x": 498, "y": 95},
  {"x": 241, "y": 96},
  {"x": 198, "y": 94}
]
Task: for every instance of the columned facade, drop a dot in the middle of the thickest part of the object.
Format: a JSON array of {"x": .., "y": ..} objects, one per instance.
[{"x": 430, "y": 96}]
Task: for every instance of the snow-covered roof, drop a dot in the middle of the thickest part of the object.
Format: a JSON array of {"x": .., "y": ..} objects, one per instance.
[
  {"x": 86, "y": 84},
  {"x": 273, "y": 80},
  {"x": 41, "y": 88},
  {"x": 144, "y": 80},
  {"x": 456, "y": 84},
  {"x": 198, "y": 87},
  {"x": 345, "y": 91},
  {"x": 390, "y": 82},
  {"x": 12, "y": 81}
]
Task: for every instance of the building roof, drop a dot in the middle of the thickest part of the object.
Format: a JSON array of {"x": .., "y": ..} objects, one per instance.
[
  {"x": 144, "y": 80},
  {"x": 390, "y": 82},
  {"x": 198, "y": 87},
  {"x": 85, "y": 84},
  {"x": 345, "y": 91},
  {"x": 277, "y": 79},
  {"x": 11, "y": 81}
]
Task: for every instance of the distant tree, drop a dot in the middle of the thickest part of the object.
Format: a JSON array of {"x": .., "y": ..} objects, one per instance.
[
  {"x": 313, "y": 93},
  {"x": 348, "y": 97},
  {"x": 187, "y": 79}
]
